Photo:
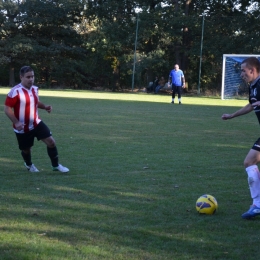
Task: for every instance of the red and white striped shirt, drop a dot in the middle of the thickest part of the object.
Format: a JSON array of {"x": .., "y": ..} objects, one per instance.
[{"x": 25, "y": 105}]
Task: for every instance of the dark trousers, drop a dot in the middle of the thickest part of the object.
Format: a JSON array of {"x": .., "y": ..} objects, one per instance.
[{"x": 176, "y": 89}]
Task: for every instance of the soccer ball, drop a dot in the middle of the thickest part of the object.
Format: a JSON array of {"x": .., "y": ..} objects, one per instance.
[{"x": 206, "y": 204}]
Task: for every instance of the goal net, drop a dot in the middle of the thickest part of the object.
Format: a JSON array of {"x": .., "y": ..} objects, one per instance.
[{"x": 232, "y": 84}]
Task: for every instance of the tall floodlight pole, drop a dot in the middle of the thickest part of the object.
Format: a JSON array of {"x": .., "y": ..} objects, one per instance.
[
  {"x": 136, "y": 33},
  {"x": 201, "y": 45}
]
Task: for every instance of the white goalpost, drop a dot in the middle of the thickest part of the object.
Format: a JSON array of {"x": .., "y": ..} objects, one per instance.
[{"x": 232, "y": 84}]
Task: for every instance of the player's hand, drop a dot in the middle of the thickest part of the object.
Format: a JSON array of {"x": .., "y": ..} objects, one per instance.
[
  {"x": 255, "y": 103},
  {"x": 226, "y": 116},
  {"x": 48, "y": 108},
  {"x": 19, "y": 126}
]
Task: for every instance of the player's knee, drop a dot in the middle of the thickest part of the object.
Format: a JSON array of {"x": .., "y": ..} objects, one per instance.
[
  {"x": 26, "y": 151},
  {"x": 248, "y": 162},
  {"x": 52, "y": 143}
]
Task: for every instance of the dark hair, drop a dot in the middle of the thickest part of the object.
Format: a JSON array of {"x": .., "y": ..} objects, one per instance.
[
  {"x": 252, "y": 62},
  {"x": 25, "y": 69}
]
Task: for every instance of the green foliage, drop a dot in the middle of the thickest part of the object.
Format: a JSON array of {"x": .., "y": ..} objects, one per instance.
[
  {"x": 41, "y": 33},
  {"x": 96, "y": 39}
]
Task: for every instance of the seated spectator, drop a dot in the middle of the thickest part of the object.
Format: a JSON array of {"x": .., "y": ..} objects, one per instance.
[
  {"x": 160, "y": 85},
  {"x": 155, "y": 84},
  {"x": 167, "y": 86},
  {"x": 150, "y": 87}
]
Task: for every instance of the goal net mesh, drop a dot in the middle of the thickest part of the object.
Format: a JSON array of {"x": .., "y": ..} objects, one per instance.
[{"x": 232, "y": 84}]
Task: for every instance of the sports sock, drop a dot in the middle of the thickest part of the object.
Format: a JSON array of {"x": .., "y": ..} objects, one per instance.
[
  {"x": 254, "y": 183},
  {"x": 53, "y": 154},
  {"x": 27, "y": 158}
]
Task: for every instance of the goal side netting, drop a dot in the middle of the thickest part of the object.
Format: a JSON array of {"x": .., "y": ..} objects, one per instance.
[{"x": 232, "y": 84}]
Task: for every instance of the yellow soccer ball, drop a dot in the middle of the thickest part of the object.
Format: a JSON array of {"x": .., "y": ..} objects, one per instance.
[{"x": 206, "y": 204}]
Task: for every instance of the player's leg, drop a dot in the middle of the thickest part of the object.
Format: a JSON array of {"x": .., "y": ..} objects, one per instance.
[
  {"x": 252, "y": 158},
  {"x": 52, "y": 150},
  {"x": 25, "y": 142},
  {"x": 179, "y": 94},
  {"x": 26, "y": 154},
  {"x": 43, "y": 133},
  {"x": 250, "y": 163},
  {"x": 173, "y": 93}
]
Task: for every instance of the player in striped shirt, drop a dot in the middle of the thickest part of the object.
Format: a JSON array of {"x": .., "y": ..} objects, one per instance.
[{"x": 21, "y": 106}]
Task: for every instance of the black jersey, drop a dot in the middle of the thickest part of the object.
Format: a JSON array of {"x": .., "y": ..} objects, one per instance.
[{"x": 254, "y": 95}]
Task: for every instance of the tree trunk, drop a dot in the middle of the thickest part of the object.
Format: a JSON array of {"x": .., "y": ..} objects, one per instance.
[
  {"x": 186, "y": 38},
  {"x": 187, "y": 7},
  {"x": 116, "y": 73},
  {"x": 176, "y": 5}
]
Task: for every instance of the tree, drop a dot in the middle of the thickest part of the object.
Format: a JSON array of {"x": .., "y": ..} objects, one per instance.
[
  {"x": 91, "y": 42},
  {"x": 41, "y": 33}
]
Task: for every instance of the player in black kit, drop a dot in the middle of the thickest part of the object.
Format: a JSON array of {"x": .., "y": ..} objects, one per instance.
[{"x": 250, "y": 72}]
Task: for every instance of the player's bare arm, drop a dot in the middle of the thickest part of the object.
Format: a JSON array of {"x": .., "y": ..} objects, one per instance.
[
  {"x": 48, "y": 108},
  {"x": 183, "y": 82},
  {"x": 10, "y": 113},
  {"x": 244, "y": 110}
]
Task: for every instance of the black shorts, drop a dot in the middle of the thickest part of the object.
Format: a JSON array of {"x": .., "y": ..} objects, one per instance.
[
  {"x": 26, "y": 140},
  {"x": 175, "y": 88},
  {"x": 256, "y": 145}
]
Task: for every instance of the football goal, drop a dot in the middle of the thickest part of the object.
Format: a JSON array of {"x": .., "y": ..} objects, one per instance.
[{"x": 233, "y": 86}]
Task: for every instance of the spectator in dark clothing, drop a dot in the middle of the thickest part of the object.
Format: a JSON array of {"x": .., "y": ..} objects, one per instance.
[{"x": 161, "y": 84}]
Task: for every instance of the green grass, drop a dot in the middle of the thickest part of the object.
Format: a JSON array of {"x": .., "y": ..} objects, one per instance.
[{"x": 137, "y": 166}]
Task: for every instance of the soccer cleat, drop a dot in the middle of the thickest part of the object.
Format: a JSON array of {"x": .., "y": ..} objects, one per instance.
[
  {"x": 31, "y": 168},
  {"x": 179, "y": 102},
  {"x": 251, "y": 213},
  {"x": 60, "y": 168}
]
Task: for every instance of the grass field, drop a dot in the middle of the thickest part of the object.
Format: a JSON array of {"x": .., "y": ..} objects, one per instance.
[{"x": 137, "y": 166}]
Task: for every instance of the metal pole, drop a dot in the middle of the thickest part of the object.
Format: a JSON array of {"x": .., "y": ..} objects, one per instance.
[
  {"x": 136, "y": 33},
  {"x": 201, "y": 45}
]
